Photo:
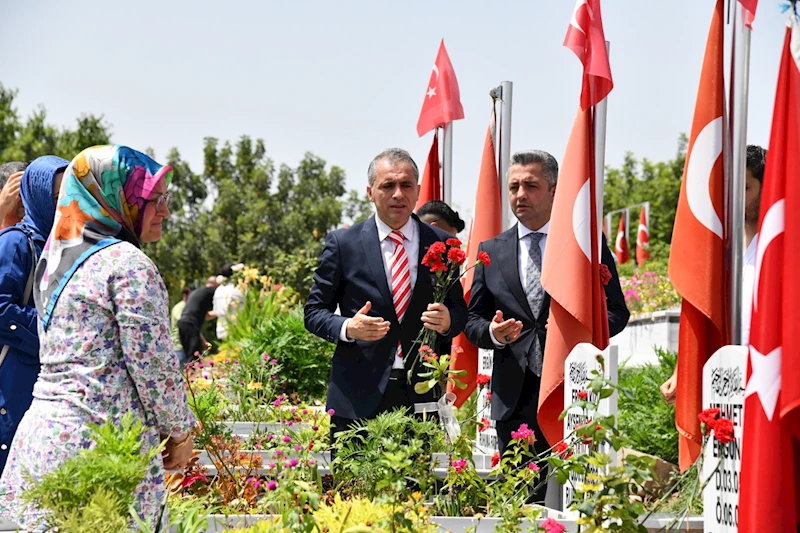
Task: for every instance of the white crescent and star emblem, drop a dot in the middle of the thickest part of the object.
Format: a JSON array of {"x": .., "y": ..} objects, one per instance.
[
  {"x": 431, "y": 92},
  {"x": 772, "y": 226},
  {"x": 765, "y": 381},
  {"x": 705, "y": 152}
]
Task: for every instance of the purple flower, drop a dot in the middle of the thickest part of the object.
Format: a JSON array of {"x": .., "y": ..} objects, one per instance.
[
  {"x": 278, "y": 453},
  {"x": 274, "y": 361},
  {"x": 276, "y": 403},
  {"x": 266, "y": 357},
  {"x": 305, "y": 411},
  {"x": 315, "y": 428},
  {"x": 289, "y": 423},
  {"x": 293, "y": 463},
  {"x": 272, "y": 485},
  {"x": 270, "y": 436},
  {"x": 298, "y": 447},
  {"x": 311, "y": 462},
  {"x": 287, "y": 438},
  {"x": 331, "y": 412}
]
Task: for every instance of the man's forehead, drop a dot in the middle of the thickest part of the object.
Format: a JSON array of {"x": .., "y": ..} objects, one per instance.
[{"x": 527, "y": 172}]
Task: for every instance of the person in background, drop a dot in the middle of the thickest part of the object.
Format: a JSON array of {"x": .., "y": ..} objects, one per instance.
[
  {"x": 104, "y": 331},
  {"x": 437, "y": 213},
  {"x": 20, "y": 248},
  {"x": 227, "y": 299},
  {"x": 755, "y": 162},
  {"x": 198, "y": 309},
  {"x": 174, "y": 316},
  {"x": 11, "y": 208}
]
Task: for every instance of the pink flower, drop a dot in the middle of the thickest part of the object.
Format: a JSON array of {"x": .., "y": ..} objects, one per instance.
[
  {"x": 270, "y": 436},
  {"x": 293, "y": 463},
  {"x": 276, "y": 403},
  {"x": 315, "y": 428},
  {"x": 256, "y": 483},
  {"x": 311, "y": 462},
  {"x": 533, "y": 466},
  {"x": 459, "y": 465},
  {"x": 298, "y": 447},
  {"x": 331, "y": 412},
  {"x": 287, "y": 438},
  {"x": 289, "y": 423},
  {"x": 272, "y": 485},
  {"x": 278, "y": 453},
  {"x": 274, "y": 362},
  {"x": 266, "y": 357},
  {"x": 523, "y": 433},
  {"x": 551, "y": 526},
  {"x": 305, "y": 411}
]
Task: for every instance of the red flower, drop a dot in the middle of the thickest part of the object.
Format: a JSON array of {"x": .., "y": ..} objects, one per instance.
[
  {"x": 551, "y": 526},
  {"x": 190, "y": 480},
  {"x": 709, "y": 418},
  {"x": 453, "y": 242},
  {"x": 723, "y": 430},
  {"x": 485, "y": 424},
  {"x": 523, "y": 433},
  {"x": 583, "y": 395},
  {"x": 488, "y": 396},
  {"x": 427, "y": 353},
  {"x": 495, "y": 459},
  {"x": 483, "y": 257},
  {"x": 457, "y": 256},
  {"x": 482, "y": 379},
  {"x": 433, "y": 256},
  {"x": 605, "y": 274},
  {"x": 563, "y": 450}
]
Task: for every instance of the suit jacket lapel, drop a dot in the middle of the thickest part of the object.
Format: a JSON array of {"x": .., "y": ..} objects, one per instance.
[
  {"x": 374, "y": 255},
  {"x": 508, "y": 252}
]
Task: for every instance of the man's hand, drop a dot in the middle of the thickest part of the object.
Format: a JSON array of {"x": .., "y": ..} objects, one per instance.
[
  {"x": 669, "y": 388},
  {"x": 363, "y": 327},
  {"x": 9, "y": 196},
  {"x": 437, "y": 318},
  {"x": 505, "y": 331}
]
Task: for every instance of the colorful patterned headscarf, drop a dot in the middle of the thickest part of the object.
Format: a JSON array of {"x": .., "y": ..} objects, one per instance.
[{"x": 103, "y": 194}]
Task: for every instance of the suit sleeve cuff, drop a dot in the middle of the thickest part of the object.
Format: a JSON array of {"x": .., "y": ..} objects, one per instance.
[
  {"x": 343, "y": 331},
  {"x": 497, "y": 345}
]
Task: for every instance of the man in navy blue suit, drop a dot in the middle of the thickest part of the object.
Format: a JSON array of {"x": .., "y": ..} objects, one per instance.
[{"x": 373, "y": 273}]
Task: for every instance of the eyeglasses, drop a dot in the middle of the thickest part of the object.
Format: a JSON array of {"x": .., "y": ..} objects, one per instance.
[{"x": 163, "y": 202}]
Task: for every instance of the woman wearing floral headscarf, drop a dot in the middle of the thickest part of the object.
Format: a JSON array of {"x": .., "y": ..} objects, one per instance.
[{"x": 104, "y": 329}]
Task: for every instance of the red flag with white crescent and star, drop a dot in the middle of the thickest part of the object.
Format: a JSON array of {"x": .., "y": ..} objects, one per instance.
[{"x": 442, "y": 102}]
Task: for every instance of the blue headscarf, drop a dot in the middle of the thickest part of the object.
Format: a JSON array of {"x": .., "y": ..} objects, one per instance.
[{"x": 36, "y": 189}]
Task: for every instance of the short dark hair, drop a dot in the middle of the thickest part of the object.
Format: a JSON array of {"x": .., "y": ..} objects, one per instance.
[
  {"x": 187, "y": 290},
  {"x": 12, "y": 167},
  {"x": 445, "y": 212},
  {"x": 393, "y": 156},
  {"x": 756, "y": 161},
  {"x": 227, "y": 270},
  {"x": 547, "y": 161}
]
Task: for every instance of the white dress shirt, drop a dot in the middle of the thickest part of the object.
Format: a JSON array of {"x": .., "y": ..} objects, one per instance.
[
  {"x": 411, "y": 243},
  {"x": 748, "y": 279},
  {"x": 522, "y": 259}
]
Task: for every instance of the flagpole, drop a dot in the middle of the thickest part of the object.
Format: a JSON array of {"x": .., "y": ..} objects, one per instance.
[
  {"x": 504, "y": 93},
  {"x": 447, "y": 163},
  {"x": 740, "y": 79},
  {"x": 600, "y": 115}
]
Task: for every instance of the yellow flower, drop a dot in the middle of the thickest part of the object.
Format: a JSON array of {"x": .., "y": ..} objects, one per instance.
[
  {"x": 202, "y": 383},
  {"x": 254, "y": 385}
]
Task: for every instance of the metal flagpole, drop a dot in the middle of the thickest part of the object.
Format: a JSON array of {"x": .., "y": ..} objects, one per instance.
[
  {"x": 740, "y": 79},
  {"x": 600, "y": 114},
  {"x": 447, "y": 166},
  {"x": 504, "y": 93}
]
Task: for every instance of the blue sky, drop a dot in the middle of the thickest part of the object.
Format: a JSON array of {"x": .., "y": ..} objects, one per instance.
[{"x": 346, "y": 79}]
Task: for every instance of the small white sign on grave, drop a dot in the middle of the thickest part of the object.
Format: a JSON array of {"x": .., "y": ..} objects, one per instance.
[
  {"x": 485, "y": 441},
  {"x": 723, "y": 387},
  {"x": 578, "y": 373}
]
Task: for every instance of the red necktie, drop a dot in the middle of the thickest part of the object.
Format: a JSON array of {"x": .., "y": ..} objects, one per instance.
[{"x": 401, "y": 279}]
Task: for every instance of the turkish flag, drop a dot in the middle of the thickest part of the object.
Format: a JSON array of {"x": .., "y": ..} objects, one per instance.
[
  {"x": 697, "y": 255},
  {"x": 621, "y": 247},
  {"x": 442, "y": 102},
  {"x": 770, "y": 482},
  {"x": 749, "y": 7},
  {"x": 642, "y": 239},
  {"x": 486, "y": 224},
  {"x": 571, "y": 273},
  {"x": 431, "y": 186},
  {"x": 586, "y": 38}
]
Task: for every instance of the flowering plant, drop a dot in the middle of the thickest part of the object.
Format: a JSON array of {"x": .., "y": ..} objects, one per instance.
[
  {"x": 445, "y": 260},
  {"x": 646, "y": 292}
]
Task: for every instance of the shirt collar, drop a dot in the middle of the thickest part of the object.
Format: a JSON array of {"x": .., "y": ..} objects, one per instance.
[
  {"x": 523, "y": 231},
  {"x": 408, "y": 231}
]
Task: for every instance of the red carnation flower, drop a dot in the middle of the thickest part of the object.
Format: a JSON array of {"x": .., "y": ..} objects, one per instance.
[
  {"x": 583, "y": 395},
  {"x": 488, "y": 396},
  {"x": 453, "y": 242},
  {"x": 495, "y": 459},
  {"x": 482, "y": 379},
  {"x": 723, "y": 430},
  {"x": 457, "y": 256},
  {"x": 483, "y": 257},
  {"x": 605, "y": 274},
  {"x": 709, "y": 418},
  {"x": 485, "y": 424},
  {"x": 563, "y": 450}
]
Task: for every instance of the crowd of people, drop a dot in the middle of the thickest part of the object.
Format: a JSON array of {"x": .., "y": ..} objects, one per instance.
[{"x": 87, "y": 334}]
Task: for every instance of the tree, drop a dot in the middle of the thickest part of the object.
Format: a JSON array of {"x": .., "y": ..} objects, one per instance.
[{"x": 659, "y": 183}]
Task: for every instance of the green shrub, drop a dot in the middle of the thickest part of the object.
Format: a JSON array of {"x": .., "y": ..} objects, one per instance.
[
  {"x": 644, "y": 416},
  {"x": 305, "y": 359}
]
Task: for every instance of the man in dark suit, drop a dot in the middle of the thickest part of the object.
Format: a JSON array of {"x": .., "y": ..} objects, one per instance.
[
  {"x": 373, "y": 273},
  {"x": 508, "y": 308}
]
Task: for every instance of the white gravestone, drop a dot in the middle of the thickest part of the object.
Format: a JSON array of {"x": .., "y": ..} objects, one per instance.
[
  {"x": 723, "y": 387},
  {"x": 578, "y": 374},
  {"x": 485, "y": 441}
]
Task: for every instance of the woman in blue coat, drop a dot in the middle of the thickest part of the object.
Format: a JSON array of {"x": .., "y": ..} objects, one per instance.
[{"x": 20, "y": 248}]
